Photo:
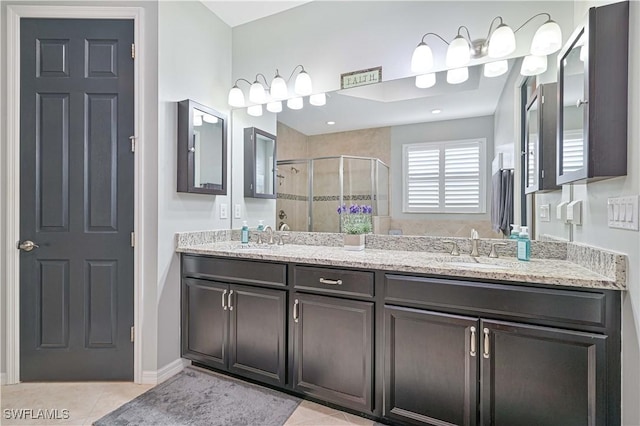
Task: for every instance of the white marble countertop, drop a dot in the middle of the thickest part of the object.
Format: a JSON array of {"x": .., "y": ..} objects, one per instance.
[{"x": 542, "y": 271}]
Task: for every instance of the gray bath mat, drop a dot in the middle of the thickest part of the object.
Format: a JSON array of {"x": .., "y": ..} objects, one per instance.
[{"x": 196, "y": 398}]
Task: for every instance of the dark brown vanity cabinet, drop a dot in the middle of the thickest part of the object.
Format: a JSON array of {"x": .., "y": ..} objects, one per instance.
[
  {"x": 592, "y": 96},
  {"x": 509, "y": 355},
  {"x": 236, "y": 328},
  {"x": 540, "y": 139},
  {"x": 333, "y": 350}
]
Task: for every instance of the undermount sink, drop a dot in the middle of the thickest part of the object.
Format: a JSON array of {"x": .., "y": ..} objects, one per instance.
[
  {"x": 249, "y": 247},
  {"x": 477, "y": 265}
]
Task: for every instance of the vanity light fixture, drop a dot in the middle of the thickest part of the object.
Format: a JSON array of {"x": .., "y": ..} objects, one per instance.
[
  {"x": 319, "y": 99},
  {"x": 533, "y": 65},
  {"x": 295, "y": 103},
  {"x": 499, "y": 43},
  {"x": 494, "y": 69},
  {"x": 211, "y": 119},
  {"x": 274, "y": 107},
  {"x": 457, "y": 75},
  {"x": 424, "y": 81},
  {"x": 255, "y": 110}
]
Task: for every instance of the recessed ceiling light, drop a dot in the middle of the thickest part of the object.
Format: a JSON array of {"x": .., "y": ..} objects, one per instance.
[
  {"x": 436, "y": 111},
  {"x": 331, "y": 123}
]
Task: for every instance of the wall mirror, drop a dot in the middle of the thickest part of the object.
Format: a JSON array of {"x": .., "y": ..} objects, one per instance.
[
  {"x": 386, "y": 115},
  {"x": 259, "y": 163},
  {"x": 202, "y": 149}
]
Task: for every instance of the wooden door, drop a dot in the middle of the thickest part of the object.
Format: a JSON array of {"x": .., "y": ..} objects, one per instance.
[
  {"x": 541, "y": 376},
  {"x": 76, "y": 199},
  {"x": 257, "y": 338},
  {"x": 205, "y": 321},
  {"x": 333, "y": 348},
  {"x": 430, "y": 366}
]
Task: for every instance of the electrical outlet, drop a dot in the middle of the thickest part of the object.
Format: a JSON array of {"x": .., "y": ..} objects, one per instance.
[
  {"x": 224, "y": 213},
  {"x": 237, "y": 211}
]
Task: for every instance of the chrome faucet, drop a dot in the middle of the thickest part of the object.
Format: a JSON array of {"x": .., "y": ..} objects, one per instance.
[
  {"x": 474, "y": 243},
  {"x": 269, "y": 230}
]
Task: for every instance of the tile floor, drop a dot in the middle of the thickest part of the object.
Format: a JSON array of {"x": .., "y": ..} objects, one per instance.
[{"x": 87, "y": 402}]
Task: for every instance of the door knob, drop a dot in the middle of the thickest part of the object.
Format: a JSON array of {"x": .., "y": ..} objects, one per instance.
[{"x": 27, "y": 245}]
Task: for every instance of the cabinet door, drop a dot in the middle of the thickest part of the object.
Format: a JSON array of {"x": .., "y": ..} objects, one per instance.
[
  {"x": 257, "y": 334},
  {"x": 541, "y": 376},
  {"x": 333, "y": 348},
  {"x": 430, "y": 367},
  {"x": 204, "y": 321}
]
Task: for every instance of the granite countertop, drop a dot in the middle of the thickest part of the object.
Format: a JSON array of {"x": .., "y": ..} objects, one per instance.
[{"x": 543, "y": 271}]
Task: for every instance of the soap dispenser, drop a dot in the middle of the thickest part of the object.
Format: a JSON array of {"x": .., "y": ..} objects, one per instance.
[
  {"x": 260, "y": 225},
  {"x": 524, "y": 244},
  {"x": 244, "y": 233},
  {"x": 515, "y": 232}
]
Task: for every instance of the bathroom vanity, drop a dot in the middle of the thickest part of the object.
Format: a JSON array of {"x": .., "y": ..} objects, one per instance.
[{"x": 408, "y": 336}]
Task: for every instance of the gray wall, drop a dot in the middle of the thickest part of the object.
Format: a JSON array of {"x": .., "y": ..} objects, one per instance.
[
  {"x": 194, "y": 63},
  {"x": 468, "y": 128}
]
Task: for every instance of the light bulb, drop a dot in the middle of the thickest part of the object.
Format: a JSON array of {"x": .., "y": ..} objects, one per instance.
[
  {"x": 303, "y": 84},
  {"x": 256, "y": 93},
  {"x": 274, "y": 107},
  {"x": 294, "y": 103},
  {"x": 236, "y": 97},
  {"x": 197, "y": 120},
  {"x": 533, "y": 65},
  {"x": 279, "y": 89},
  {"x": 319, "y": 99},
  {"x": 255, "y": 110},
  {"x": 494, "y": 69},
  {"x": 422, "y": 59},
  {"x": 458, "y": 53},
  {"x": 547, "y": 39},
  {"x": 425, "y": 81},
  {"x": 502, "y": 42},
  {"x": 457, "y": 75},
  {"x": 212, "y": 119}
]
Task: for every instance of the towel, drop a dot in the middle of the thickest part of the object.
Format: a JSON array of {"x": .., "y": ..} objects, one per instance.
[{"x": 502, "y": 201}]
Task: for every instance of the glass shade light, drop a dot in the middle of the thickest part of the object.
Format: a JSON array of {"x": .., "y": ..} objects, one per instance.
[
  {"x": 274, "y": 107},
  {"x": 533, "y": 65},
  {"x": 303, "y": 84},
  {"x": 279, "y": 89},
  {"x": 319, "y": 99},
  {"x": 236, "y": 97},
  {"x": 422, "y": 59},
  {"x": 424, "y": 81},
  {"x": 584, "y": 53},
  {"x": 457, "y": 75},
  {"x": 255, "y": 110},
  {"x": 212, "y": 119},
  {"x": 294, "y": 103},
  {"x": 458, "y": 53},
  {"x": 547, "y": 39},
  {"x": 502, "y": 42},
  {"x": 494, "y": 69},
  {"x": 257, "y": 94},
  {"x": 197, "y": 120}
]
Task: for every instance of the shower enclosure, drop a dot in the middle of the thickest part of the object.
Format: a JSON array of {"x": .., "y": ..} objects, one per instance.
[{"x": 310, "y": 190}]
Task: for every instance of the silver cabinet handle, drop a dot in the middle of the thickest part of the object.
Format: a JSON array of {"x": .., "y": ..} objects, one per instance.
[
  {"x": 472, "y": 352},
  {"x": 581, "y": 102},
  {"x": 330, "y": 282},
  {"x": 295, "y": 310},
  {"x": 229, "y": 300},
  {"x": 27, "y": 245},
  {"x": 224, "y": 305},
  {"x": 485, "y": 353}
]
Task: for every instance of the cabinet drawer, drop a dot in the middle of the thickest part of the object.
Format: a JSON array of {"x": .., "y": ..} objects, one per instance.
[
  {"x": 232, "y": 270},
  {"x": 335, "y": 281},
  {"x": 550, "y": 305}
]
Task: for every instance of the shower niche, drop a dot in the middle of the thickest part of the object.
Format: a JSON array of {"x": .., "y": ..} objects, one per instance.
[{"x": 309, "y": 191}]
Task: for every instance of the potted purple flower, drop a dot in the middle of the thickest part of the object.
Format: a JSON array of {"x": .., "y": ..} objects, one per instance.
[{"x": 356, "y": 222}]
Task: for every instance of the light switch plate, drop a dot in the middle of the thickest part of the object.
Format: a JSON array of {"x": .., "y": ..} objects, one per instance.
[
  {"x": 237, "y": 211},
  {"x": 622, "y": 212},
  {"x": 545, "y": 215},
  {"x": 224, "y": 213}
]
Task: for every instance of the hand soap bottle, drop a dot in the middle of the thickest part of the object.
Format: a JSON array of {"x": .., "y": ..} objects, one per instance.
[
  {"x": 524, "y": 244},
  {"x": 244, "y": 233},
  {"x": 260, "y": 225},
  {"x": 515, "y": 232}
]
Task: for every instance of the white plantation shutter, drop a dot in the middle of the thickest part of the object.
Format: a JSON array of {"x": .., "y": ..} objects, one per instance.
[
  {"x": 572, "y": 151},
  {"x": 444, "y": 177}
]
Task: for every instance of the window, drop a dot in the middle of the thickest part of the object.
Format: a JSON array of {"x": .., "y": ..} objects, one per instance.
[{"x": 444, "y": 177}]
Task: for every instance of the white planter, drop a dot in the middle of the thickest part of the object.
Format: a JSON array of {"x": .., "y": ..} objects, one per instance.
[{"x": 354, "y": 242}]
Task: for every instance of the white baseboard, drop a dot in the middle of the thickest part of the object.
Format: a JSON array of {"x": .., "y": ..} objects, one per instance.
[
  {"x": 151, "y": 377},
  {"x": 3, "y": 379}
]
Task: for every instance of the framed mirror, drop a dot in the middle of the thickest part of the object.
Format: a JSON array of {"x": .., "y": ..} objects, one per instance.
[
  {"x": 259, "y": 163},
  {"x": 202, "y": 149}
]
